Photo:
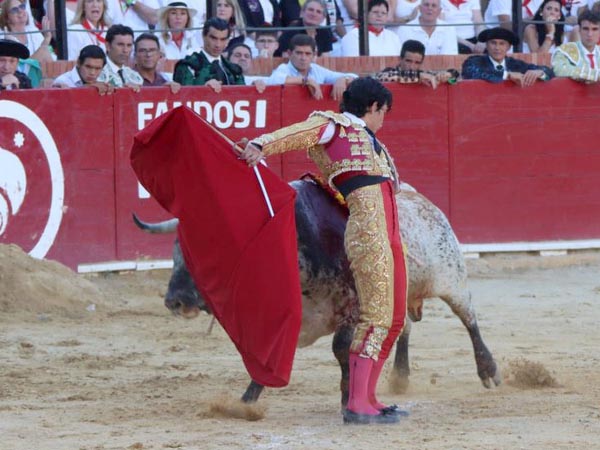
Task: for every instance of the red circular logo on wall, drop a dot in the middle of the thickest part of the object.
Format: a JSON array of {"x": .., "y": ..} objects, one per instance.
[{"x": 31, "y": 181}]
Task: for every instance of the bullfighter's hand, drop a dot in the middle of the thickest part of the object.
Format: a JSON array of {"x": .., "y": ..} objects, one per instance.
[
  {"x": 239, "y": 146},
  {"x": 251, "y": 154}
]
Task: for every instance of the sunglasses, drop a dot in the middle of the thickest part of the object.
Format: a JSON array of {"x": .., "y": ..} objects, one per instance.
[{"x": 17, "y": 9}]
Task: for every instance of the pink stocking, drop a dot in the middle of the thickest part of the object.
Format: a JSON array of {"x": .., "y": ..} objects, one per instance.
[
  {"x": 372, "y": 386},
  {"x": 360, "y": 371}
]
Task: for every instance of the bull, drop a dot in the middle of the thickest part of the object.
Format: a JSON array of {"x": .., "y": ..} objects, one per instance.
[{"x": 436, "y": 268}]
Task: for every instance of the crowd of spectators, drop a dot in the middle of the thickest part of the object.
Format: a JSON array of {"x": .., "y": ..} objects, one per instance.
[{"x": 219, "y": 50}]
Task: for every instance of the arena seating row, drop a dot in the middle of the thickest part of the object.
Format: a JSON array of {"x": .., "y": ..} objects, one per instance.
[{"x": 363, "y": 65}]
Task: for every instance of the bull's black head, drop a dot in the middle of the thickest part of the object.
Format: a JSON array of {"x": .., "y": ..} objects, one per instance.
[{"x": 182, "y": 297}]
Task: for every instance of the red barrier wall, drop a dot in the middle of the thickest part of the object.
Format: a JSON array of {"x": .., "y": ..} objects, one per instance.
[
  {"x": 50, "y": 141},
  {"x": 505, "y": 164},
  {"x": 525, "y": 163}
]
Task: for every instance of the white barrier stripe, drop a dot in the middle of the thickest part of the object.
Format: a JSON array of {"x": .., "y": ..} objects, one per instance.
[{"x": 546, "y": 248}]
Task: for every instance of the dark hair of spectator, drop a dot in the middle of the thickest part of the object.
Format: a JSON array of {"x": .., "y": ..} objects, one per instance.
[
  {"x": 118, "y": 30},
  {"x": 236, "y": 45},
  {"x": 217, "y": 24},
  {"x": 362, "y": 93},
  {"x": 266, "y": 32},
  {"x": 589, "y": 16},
  {"x": 374, "y": 3},
  {"x": 540, "y": 28},
  {"x": 413, "y": 47},
  {"x": 91, "y": 51},
  {"x": 320, "y": 2},
  {"x": 302, "y": 40},
  {"x": 146, "y": 37}
]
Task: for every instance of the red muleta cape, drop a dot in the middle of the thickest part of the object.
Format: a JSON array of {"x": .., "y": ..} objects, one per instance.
[{"x": 244, "y": 262}]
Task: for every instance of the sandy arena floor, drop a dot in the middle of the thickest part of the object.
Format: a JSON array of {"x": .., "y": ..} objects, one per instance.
[{"x": 97, "y": 362}]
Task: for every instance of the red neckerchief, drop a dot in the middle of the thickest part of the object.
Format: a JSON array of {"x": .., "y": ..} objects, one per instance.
[
  {"x": 88, "y": 26},
  {"x": 457, "y": 3},
  {"x": 178, "y": 40},
  {"x": 373, "y": 30},
  {"x": 526, "y": 6}
]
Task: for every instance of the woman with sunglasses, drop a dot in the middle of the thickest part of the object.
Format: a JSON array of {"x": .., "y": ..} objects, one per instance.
[{"x": 17, "y": 25}]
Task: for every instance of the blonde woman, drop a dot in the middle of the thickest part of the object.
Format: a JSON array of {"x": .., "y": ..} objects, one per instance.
[
  {"x": 17, "y": 25},
  {"x": 230, "y": 12},
  {"x": 88, "y": 26},
  {"x": 176, "y": 40}
]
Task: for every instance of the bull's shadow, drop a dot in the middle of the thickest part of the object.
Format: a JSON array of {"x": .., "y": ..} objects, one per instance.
[{"x": 436, "y": 268}]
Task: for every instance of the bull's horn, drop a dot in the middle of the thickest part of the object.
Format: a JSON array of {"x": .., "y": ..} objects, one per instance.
[{"x": 168, "y": 226}]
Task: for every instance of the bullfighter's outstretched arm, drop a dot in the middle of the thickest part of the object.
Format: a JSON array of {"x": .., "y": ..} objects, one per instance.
[{"x": 299, "y": 136}]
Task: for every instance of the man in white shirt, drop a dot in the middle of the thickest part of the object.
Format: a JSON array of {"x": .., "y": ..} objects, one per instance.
[
  {"x": 437, "y": 37},
  {"x": 499, "y": 14},
  {"x": 382, "y": 42},
  {"x": 139, "y": 15},
  {"x": 90, "y": 62}
]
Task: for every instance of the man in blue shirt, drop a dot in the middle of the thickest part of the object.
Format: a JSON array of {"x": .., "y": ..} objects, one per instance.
[{"x": 301, "y": 70}]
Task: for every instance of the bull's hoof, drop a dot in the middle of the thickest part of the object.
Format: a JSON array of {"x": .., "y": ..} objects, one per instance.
[
  {"x": 351, "y": 417},
  {"x": 394, "y": 410},
  {"x": 398, "y": 384},
  {"x": 490, "y": 382}
]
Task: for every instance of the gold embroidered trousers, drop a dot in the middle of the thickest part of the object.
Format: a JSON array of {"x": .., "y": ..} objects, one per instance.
[{"x": 374, "y": 249}]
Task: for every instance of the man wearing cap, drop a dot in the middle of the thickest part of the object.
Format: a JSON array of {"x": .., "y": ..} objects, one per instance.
[
  {"x": 581, "y": 60},
  {"x": 10, "y": 53},
  {"x": 90, "y": 62},
  {"x": 496, "y": 67},
  {"x": 208, "y": 67}
]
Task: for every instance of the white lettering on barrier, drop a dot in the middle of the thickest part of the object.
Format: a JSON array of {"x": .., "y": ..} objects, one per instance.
[
  {"x": 223, "y": 114},
  {"x": 143, "y": 116}
]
